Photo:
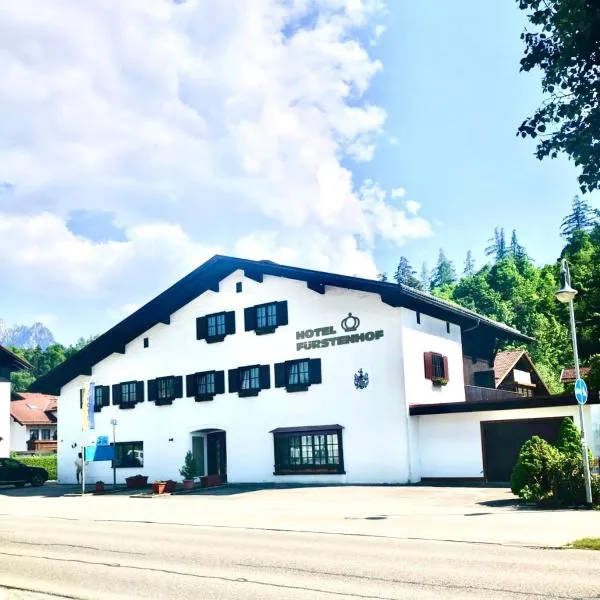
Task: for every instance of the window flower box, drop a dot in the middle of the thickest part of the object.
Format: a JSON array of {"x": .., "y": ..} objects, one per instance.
[{"x": 439, "y": 381}]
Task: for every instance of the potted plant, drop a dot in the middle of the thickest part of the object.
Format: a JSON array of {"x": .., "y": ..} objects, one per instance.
[
  {"x": 99, "y": 486},
  {"x": 136, "y": 481},
  {"x": 188, "y": 471},
  {"x": 159, "y": 487},
  {"x": 171, "y": 486},
  {"x": 439, "y": 381}
]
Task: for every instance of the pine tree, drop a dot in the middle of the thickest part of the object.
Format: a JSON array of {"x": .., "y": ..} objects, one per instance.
[
  {"x": 382, "y": 277},
  {"x": 581, "y": 218},
  {"x": 516, "y": 250},
  {"x": 497, "y": 247},
  {"x": 425, "y": 278},
  {"x": 444, "y": 272},
  {"x": 469, "y": 270},
  {"x": 405, "y": 274}
]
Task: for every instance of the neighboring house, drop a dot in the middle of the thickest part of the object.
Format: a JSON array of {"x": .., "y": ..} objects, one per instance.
[
  {"x": 33, "y": 423},
  {"x": 270, "y": 373},
  {"x": 9, "y": 362},
  {"x": 568, "y": 375},
  {"x": 512, "y": 371}
]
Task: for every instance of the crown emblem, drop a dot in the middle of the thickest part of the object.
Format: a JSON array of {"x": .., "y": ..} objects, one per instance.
[
  {"x": 350, "y": 323},
  {"x": 361, "y": 380}
]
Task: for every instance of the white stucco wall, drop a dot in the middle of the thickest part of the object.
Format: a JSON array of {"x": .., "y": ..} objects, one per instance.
[
  {"x": 18, "y": 436},
  {"x": 4, "y": 418},
  {"x": 450, "y": 445},
  {"x": 431, "y": 335},
  {"x": 374, "y": 419}
]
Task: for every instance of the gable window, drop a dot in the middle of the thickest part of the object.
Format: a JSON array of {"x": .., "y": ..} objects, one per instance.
[
  {"x": 128, "y": 393},
  {"x": 101, "y": 397},
  {"x": 249, "y": 381},
  {"x": 205, "y": 385},
  {"x": 265, "y": 318},
  {"x": 436, "y": 368},
  {"x": 437, "y": 365},
  {"x": 308, "y": 450},
  {"x": 249, "y": 378},
  {"x": 215, "y": 327},
  {"x": 298, "y": 375},
  {"x": 129, "y": 455},
  {"x": 163, "y": 390}
]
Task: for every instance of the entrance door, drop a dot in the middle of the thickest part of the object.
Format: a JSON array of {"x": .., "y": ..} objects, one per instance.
[
  {"x": 502, "y": 441},
  {"x": 216, "y": 454},
  {"x": 198, "y": 452}
]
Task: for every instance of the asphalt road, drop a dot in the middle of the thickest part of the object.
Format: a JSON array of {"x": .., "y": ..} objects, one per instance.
[
  {"x": 256, "y": 543},
  {"x": 94, "y": 559}
]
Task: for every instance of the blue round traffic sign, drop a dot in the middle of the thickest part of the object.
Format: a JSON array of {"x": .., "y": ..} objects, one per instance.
[{"x": 581, "y": 391}]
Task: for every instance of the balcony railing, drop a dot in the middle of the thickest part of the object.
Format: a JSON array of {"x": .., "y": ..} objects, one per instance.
[
  {"x": 474, "y": 393},
  {"x": 42, "y": 446}
]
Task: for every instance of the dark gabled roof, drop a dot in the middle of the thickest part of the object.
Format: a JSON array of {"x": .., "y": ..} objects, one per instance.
[
  {"x": 207, "y": 277},
  {"x": 12, "y": 361},
  {"x": 568, "y": 375}
]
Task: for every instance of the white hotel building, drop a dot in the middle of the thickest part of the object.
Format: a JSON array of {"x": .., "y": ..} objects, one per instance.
[{"x": 270, "y": 373}]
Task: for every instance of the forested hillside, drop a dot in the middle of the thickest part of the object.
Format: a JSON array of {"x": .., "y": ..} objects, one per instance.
[{"x": 511, "y": 288}]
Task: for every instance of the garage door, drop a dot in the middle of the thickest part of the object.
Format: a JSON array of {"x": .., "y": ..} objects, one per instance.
[{"x": 502, "y": 441}]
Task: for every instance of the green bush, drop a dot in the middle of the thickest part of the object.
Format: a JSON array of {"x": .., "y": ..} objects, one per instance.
[
  {"x": 532, "y": 476},
  {"x": 45, "y": 461},
  {"x": 553, "y": 475}
]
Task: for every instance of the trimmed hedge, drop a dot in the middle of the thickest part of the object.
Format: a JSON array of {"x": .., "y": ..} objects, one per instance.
[{"x": 45, "y": 461}]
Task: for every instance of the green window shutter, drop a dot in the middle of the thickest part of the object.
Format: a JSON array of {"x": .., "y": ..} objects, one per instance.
[
  {"x": 250, "y": 318},
  {"x": 282, "y": 313},
  {"x": 230, "y": 322},
  {"x": 201, "y": 328},
  {"x": 139, "y": 391},
  {"x": 116, "y": 394},
  {"x": 264, "y": 377},
  {"x": 219, "y": 382},
  {"x": 191, "y": 385},
  {"x": 152, "y": 390},
  {"x": 314, "y": 370},
  {"x": 280, "y": 375},
  {"x": 178, "y": 386},
  {"x": 234, "y": 381}
]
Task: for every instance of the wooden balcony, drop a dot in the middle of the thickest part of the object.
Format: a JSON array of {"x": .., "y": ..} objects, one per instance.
[
  {"x": 42, "y": 446},
  {"x": 475, "y": 393}
]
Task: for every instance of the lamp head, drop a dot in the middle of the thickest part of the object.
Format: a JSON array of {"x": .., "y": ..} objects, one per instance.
[{"x": 566, "y": 293}]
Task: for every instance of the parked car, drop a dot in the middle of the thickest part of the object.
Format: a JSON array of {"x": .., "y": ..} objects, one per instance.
[{"x": 19, "y": 474}]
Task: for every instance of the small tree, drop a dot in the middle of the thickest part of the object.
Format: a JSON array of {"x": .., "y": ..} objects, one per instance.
[
  {"x": 533, "y": 476},
  {"x": 189, "y": 469},
  {"x": 569, "y": 440}
]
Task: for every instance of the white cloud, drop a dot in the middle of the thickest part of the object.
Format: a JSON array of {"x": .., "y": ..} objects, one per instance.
[
  {"x": 41, "y": 253},
  {"x": 199, "y": 125},
  {"x": 413, "y": 207},
  {"x": 398, "y": 192}
]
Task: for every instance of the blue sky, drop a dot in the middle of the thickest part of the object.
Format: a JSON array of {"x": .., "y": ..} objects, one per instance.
[
  {"x": 455, "y": 97},
  {"x": 124, "y": 164}
]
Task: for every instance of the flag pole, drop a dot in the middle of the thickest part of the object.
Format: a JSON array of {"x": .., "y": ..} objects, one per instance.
[{"x": 83, "y": 471}]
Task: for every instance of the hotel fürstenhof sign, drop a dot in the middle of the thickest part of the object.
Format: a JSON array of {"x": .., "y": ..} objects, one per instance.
[{"x": 324, "y": 337}]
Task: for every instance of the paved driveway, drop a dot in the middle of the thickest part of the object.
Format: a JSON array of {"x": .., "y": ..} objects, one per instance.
[{"x": 491, "y": 515}]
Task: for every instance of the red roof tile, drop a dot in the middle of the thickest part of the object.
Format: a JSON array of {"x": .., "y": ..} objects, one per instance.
[
  {"x": 568, "y": 375},
  {"x": 33, "y": 409},
  {"x": 504, "y": 362}
]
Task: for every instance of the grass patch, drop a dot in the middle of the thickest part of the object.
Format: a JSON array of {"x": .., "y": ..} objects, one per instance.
[
  {"x": 45, "y": 461},
  {"x": 586, "y": 544}
]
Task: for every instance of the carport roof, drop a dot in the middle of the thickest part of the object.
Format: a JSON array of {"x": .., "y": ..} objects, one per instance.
[{"x": 444, "y": 408}]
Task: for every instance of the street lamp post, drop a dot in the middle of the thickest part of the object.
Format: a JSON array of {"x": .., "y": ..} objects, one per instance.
[
  {"x": 113, "y": 422},
  {"x": 566, "y": 294}
]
